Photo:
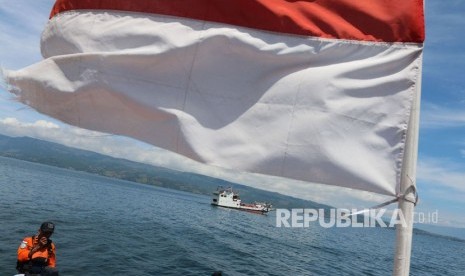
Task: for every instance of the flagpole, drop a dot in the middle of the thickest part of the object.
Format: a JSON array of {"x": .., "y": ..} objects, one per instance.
[
  {"x": 404, "y": 238},
  {"x": 407, "y": 191}
]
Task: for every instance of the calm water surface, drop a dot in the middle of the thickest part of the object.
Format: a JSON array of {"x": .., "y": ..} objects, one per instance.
[{"x": 110, "y": 227}]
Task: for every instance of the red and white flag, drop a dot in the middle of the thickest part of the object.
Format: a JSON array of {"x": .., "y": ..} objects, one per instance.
[{"x": 319, "y": 91}]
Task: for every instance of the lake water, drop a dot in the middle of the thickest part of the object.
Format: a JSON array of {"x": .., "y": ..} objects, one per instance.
[{"x": 111, "y": 227}]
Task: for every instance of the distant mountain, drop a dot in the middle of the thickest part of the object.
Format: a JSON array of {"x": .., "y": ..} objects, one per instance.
[
  {"x": 454, "y": 233},
  {"x": 48, "y": 153},
  {"x": 39, "y": 151}
]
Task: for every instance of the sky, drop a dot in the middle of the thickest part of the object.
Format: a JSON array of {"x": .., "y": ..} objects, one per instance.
[{"x": 441, "y": 160}]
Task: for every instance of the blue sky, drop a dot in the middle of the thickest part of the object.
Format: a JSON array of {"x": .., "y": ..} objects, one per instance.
[{"x": 441, "y": 163}]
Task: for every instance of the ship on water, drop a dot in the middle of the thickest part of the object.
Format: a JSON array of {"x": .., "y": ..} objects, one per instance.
[{"x": 230, "y": 199}]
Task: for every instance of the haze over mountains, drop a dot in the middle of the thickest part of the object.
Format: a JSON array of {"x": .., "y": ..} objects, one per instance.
[{"x": 53, "y": 154}]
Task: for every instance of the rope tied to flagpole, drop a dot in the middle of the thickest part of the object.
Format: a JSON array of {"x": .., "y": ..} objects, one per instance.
[
  {"x": 408, "y": 198},
  {"x": 404, "y": 196}
]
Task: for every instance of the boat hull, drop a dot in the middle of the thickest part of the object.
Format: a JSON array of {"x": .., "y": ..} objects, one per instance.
[{"x": 255, "y": 211}]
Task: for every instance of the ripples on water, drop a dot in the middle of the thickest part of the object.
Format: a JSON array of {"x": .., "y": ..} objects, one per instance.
[{"x": 108, "y": 227}]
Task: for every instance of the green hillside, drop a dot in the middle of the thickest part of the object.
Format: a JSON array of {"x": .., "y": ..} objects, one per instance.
[{"x": 38, "y": 151}]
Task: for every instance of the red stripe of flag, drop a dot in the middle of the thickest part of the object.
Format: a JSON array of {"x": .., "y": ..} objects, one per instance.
[{"x": 366, "y": 20}]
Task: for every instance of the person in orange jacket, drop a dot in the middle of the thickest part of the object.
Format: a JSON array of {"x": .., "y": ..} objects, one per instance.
[{"x": 36, "y": 254}]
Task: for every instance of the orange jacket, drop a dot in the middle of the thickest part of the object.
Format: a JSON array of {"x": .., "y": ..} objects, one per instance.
[{"x": 47, "y": 252}]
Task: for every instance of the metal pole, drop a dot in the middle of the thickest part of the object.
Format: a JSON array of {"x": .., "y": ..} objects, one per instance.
[
  {"x": 408, "y": 191},
  {"x": 404, "y": 239}
]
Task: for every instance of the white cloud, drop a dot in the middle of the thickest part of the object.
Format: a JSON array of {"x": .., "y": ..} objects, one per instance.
[
  {"x": 443, "y": 173},
  {"x": 435, "y": 116},
  {"x": 14, "y": 125},
  {"x": 433, "y": 174},
  {"x": 21, "y": 23},
  {"x": 116, "y": 146},
  {"x": 127, "y": 148},
  {"x": 45, "y": 124}
]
